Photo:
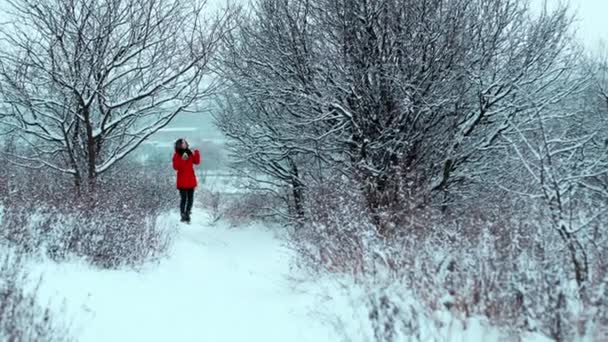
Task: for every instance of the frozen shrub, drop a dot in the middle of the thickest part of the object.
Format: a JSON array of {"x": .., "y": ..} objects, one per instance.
[
  {"x": 392, "y": 320},
  {"x": 497, "y": 260},
  {"x": 214, "y": 201},
  {"x": 378, "y": 310},
  {"x": 338, "y": 232},
  {"x": 249, "y": 206},
  {"x": 113, "y": 224},
  {"x": 22, "y": 318},
  {"x": 107, "y": 241}
]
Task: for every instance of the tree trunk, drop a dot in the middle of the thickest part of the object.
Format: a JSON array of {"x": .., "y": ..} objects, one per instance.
[
  {"x": 297, "y": 192},
  {"x": 578, "y": 257},
  {"x": 77, "y": 181},
  {"x": 298, "y": 199},
  {"x": 91, "y": 148}
]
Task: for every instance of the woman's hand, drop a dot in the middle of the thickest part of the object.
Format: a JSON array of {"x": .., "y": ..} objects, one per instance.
[
  {"x": 197, "y": 157},
  {"x": 187, "y": 153}
]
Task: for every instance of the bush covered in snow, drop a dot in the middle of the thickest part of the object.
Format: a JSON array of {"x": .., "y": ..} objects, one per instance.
[
  {"x": 227, "y": 196},
  {"x": 22, "y": 318},
  {"x": 110, "y": 225},
  {"x": 484, "y": 263}
]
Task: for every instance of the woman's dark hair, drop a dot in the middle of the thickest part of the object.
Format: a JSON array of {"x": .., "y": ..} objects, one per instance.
[{"x": 178, "y": 145}]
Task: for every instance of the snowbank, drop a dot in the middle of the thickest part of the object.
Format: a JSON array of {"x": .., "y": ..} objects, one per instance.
[
  {"x": 238, "y": 284},
  {"x": 219, "y": 284}
]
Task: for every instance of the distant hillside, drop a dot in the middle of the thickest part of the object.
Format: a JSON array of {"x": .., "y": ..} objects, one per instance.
[{"x": 198, "y": 130}]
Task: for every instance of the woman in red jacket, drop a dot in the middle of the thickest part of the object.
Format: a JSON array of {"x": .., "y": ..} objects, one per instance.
[{"x": 183, "y": 162}]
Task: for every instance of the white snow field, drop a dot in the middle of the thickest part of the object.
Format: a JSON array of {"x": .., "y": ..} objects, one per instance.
[
  {"x": 218, "y": 284},
  {"x": 223, "y": 284}
]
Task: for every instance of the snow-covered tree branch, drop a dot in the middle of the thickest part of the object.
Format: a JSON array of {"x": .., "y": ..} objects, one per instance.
[
  {"x": 86, "y": 82},
  {"x": 404, "y": 96}
]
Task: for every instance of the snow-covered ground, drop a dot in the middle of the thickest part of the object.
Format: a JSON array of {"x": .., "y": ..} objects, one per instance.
[
  {"x": 222, "y": 284},
  {"x": 218, "y": 284}
]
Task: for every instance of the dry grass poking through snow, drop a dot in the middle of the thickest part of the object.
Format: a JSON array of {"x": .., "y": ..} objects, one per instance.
[
  {"x": 487, "y": 263},
  {"x": 22, "y": 319},
  {"x": 116, "y": 225},
  {"x": 226, "y": 197}
]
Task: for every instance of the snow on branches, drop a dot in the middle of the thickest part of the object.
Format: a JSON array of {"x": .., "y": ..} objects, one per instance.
[{"x": 84, "y": 83}]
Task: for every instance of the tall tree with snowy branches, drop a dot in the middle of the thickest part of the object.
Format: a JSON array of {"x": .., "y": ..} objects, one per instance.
[
  {"x": 404, "y": 96},
  {"x": 84, "y": 82}
]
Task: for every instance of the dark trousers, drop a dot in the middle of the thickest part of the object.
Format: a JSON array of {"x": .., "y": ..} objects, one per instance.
[{"x": 186, "y": 200}]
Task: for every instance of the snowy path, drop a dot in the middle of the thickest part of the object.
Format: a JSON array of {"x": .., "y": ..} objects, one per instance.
[{"x": 218, "y": 284}]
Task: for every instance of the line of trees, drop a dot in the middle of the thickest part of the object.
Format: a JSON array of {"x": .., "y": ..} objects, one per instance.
[{"x": 430, "y": 102}]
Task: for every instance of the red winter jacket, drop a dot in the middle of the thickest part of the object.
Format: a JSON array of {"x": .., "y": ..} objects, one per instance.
[{"x": 186, "y": 178}]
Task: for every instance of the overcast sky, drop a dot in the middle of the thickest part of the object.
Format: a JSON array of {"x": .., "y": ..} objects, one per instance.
[{"x": 592, "y": 19}]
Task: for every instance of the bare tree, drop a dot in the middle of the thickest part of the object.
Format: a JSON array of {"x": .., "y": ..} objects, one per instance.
[
  {"x": 275, "y": 128},
  {"x": 85, "y": 82},
  {"x": 404, "y": 96},
  {"x": 560, "y": 148},
  {"x": 596, "y": 121}
]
